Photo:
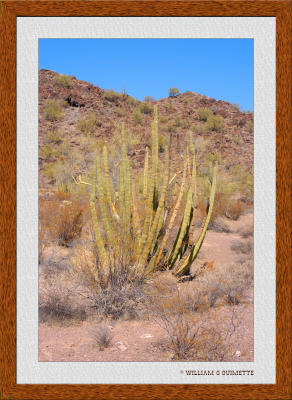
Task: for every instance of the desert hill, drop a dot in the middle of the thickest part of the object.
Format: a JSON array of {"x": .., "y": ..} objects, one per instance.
[{"x": 74, "y": 132}]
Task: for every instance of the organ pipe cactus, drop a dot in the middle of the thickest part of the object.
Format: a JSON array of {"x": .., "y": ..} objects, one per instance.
[{"x": 143, "y": 220}]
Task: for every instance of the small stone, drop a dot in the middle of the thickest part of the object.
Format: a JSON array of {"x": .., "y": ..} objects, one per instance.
[
  {"x": 146, "y": 336},
  {"x": 122, "y": 347},
  {"x": 238, "y": 353}
]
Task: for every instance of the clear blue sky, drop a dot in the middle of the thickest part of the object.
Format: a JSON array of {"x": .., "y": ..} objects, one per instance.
[{"x": 219, "y": 68}]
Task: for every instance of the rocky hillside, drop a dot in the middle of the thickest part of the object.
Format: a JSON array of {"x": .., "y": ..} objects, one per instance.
[{"x": 91, "y": 116}]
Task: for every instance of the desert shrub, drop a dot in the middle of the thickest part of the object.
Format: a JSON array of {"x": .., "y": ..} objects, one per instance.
[
  {"x": 199, "y": 128},
  {"x": 102, "y": 336},
  {"x": 238, "y": 140},
  {"x": 219, "y": 225},
  {"x": 64, "y": 104},
  {"x": 236, "y": 106},
  {"x": 246, "y": 231},
  {"x": 111, "y": 95},
  {"x": 215, "y": 123},
  {"x": 63, "y": 221},
  {"x": 137, "y": 116},
  {"x": 86, "y": 126},
  {"x": 52, "y": 110},
  {"x": 54, "y": 136},
  {"x": 49, "y": 171},
  {"x": 181, "y": 123},
  {"x": 63, "y": 176},
  {"x": 171, "y": 127},
  {"x": 218, "y": 287},
  {"x": 64, "y": 81},
  {"x": 234, "y": 210},
  {"x": 146, "y": 108},
  {"x": 204, "y": 113},
  {"x": 244, "y": 182},
  {"x": 48, "y": 151},
  {"x": 42, "y": 242},
  {"x": 192, "y": 335},
  {"x": 240, "y": 246},
  {"x": 116, "y": 295},
  {"x": 185, "y": 101},
  {"x": 234, "y": 281},
  {"x": 59, "y": 300},
  {"x": 58, "y": 307},
  {"x": 149, "y": 98},
  {"x": 249, "y": 126},
  {"x": 163, "y": 119},
  {"x": 173, "y": 92},
  {"x": 132, "y": 101},
  {"x": 120, "y": 112},
  {"x": 168, "y": 106}
]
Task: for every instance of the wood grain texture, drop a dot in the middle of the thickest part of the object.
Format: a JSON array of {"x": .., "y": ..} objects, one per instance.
[{"x": 9, "y": 10}]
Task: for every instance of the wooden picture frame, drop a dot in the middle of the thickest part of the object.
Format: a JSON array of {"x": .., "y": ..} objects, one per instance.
[{"x": 11, "y": 9}]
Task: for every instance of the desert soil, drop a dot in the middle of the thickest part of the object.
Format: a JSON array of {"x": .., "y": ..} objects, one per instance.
[{"x": 144, "y": 340}]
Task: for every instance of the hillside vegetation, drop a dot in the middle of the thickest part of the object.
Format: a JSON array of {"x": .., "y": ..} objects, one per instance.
[{"x": 140, "y": 214}]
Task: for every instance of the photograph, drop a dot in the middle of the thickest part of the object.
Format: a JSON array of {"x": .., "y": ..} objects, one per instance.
[{"x": 145, "y": 200}]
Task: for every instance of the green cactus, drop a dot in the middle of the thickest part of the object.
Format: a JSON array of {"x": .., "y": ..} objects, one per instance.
[{"x": 147, "y": 233}]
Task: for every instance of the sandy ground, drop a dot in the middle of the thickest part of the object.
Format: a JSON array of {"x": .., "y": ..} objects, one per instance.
[{"x": 144, "y": 340}]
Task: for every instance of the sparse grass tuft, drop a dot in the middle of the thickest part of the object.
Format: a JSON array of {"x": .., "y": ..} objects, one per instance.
[
  {"x": 146, "y": 108},
  {"x": 137, "y": 116},
  {"x": 111, "y": 95},
  {"x": 64, "y": 81},
  {"x": 240, "y": 246},
  {"x": 246, "y": 231},
  {"x": 102, "y": 336},
  {"x": 52, "y": 110},
  {"x": 63, "y": 221},
  {"x": 86, "y": 126},
  {"x": 215, "y": 123},
  {"x": 219, "y": 225},
  {"x": 204, "y": 113}
]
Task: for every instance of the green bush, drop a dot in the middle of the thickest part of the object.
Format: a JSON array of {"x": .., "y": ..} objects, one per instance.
[
  {"x": 111, "y": 95},
  {"x": 163, "y": 119},
  {"x": 215, "y": 123},
  {"x": 199, "y": 128},
  {"x": 52, "y": 110},
  {"x": 137, "y": 116},
  {"x": 238, "y": 140},
  {"x": 249, "y": 126},
  {"x": 149, "y": 98},
  {"x": 86, "y": 126},
  {"x": 181, "y": 123},
  {"x": 171, "y": 127},
  {"x": 132, "y": 101},
  {"x": 146, "y": 108},
  {"x": 120, "y": 112},
  {"x": 204, "y": 113},
  {"x": 54, "y": 137},
  {"x": 173, "y": 92},
  {"x": 63, "y": 81},
  {"x": 48, "y": 151}
]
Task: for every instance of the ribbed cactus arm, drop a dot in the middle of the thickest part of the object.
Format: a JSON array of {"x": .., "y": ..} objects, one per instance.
[
  {"x": 145, "y": 175},
  {"x": 184, "y": 266},
  {"x": 109, "y": 192},
  {"x": 98, "y": 236},
  {"x": 105, "y": 215},
  {"x": 186, "y": 217},
  {"x": 160, "y": 208},
  {"x": 173, "y": 215}
]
